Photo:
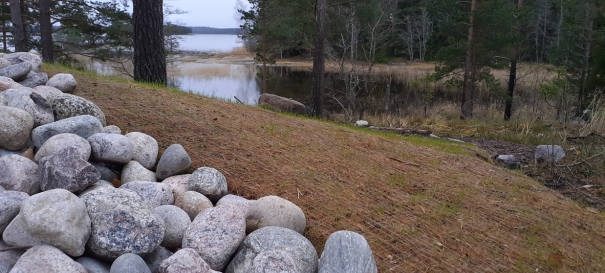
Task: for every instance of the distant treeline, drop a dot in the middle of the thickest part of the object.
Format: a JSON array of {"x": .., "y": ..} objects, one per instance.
[
  {"x": 172, "y": 29},
  {"x": 211, "y": 30}
]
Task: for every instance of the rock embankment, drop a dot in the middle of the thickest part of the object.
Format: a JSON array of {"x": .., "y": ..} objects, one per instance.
[{"x": 65, "y": 207}]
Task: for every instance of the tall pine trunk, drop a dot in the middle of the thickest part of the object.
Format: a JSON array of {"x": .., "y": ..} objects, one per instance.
[
  {"x": 46, "y": 34},
  {"x": 583, "y": 93},
  {"x": 319, "y": 60},
  {"x": 17, "y": 29},
  {"x": 149, "y": 55},
  {"x": 512, "y": 78},
  {"x": 468, "y": 84}
]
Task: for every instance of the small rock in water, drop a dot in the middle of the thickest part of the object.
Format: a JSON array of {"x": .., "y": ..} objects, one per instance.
[
  {"x": 129, "y": 263},
  {"x": 47, "y": 259},
  {"x": 111, "y": 148},
  {"x": 209, "y": 182},
  {"x": 347, "y": 252},
  {"x": 174, "y": 160},
  {"x": 185, "y": 260}
]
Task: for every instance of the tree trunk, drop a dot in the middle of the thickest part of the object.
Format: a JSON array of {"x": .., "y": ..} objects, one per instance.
[
  {"x": 512, "y": 78},
  {"x": 582, "y": 94},
  {"x": 149, "y": 56},
  {"x": 17, "y": 29},
  {"x": 468, "y": 85},
  {"x": 319, "y": 60},
  {"x": 5, "y": 49},
  {"x": 46, "y": 31}
]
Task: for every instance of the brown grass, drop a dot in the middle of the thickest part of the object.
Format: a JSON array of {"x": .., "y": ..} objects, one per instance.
[{"x": 423, "y": 205}]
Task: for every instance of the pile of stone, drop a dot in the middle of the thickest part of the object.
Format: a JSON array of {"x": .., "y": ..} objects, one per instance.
[{"x": 78, "y": 196}]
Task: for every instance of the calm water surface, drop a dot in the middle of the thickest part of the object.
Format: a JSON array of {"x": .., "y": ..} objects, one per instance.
[{"x": 209, "y": 42}]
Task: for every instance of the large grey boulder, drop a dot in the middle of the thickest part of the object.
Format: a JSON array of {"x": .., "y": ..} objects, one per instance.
[
  {"x": 25, "y": 57},
  {"x": 178, "y": 184},
  {"x": 243, "y": 205},
  {"x": 155, "y": 258},
  {"x": 48, "y": 259},
  {"x": 93, "y": 265},
  {"x": 296, "y": 252},
  {"x": 58, "y": 218},
  {"x": 67, "y": 105},
  {"x": 278, "y": 103},
  {"x": 209, "y": 182},
  {"x": 30, "y": 102},
  {"x": 10, "y": 204},
  {"x": 185, "y": 260},
  {"x": 16, "y": 127},
  {"x": 106, "y": 173},
  {"x": 215, "y": 234},
  {"x": 275, "y": 211},
  {"x": 111, "y": 148},
  {"x": 84, "y": 126},
  {"x": 192, "y": 203},
  {"x": 64, "y": 82},
  {"x": 67, "y": 170},
  {"x": 7, "y": 83},
  {"x": 177, "y": 223},
  {"x": 155, "y": 194},
  {"x": 129, "y": 263},
  {"x": 8, "y": 258},
  {"x": 47, "y": 91},
  {"x": 145, "y": 149},
  {"x": 119, "y": 220},
  {"x": 15, "y": 234},
  {"x": 57, "y": 143},
  {"x": 174, "y": 160},
  {"x": 134, "y": 171},
  {"x": 549, "y": 153},
  {"x": 19, "y": 174},
  {"x": 17, "y": 72},
  {"x": 34, "y": 79},
  {"x": 347, "y": 252}
]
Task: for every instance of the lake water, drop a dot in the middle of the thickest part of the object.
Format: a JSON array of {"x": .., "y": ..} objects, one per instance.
[{"x": 209, "y": 42}]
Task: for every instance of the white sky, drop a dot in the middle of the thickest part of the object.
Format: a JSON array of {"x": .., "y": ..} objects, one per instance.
[{"x": 205, "y": 13}]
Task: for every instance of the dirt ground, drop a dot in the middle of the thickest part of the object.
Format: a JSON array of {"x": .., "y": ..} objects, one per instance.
[{"x": 423, "y": 205}]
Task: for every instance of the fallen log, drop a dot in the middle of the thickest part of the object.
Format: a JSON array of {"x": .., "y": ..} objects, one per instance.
[{"x": 403, "y": 131}]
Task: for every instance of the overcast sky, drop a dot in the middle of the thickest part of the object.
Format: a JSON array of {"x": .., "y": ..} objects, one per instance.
[{"x": 205, "y": 13}]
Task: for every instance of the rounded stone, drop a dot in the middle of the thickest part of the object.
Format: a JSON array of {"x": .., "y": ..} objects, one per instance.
[
  {"x": 29, "y": 101},
  {"x": 67, "y": 106},
  {"x": 209, "y": 182},
  {"x": 66, "y": 170},
  {"x": 10, "y": 205},
  {"x": 129, "y": 263},
  {"x": 112, "y": 129},
  {"x": 155, "y": 258},
  {"x": 111, "y": 148},
  {"x": 84, "y": 126},
  {"x": 95, "y": 186},
  {"x": 174, "y": 160},
  {"x": 178, "y": 184},
  {"x": 275, "y": 211},
  {"x": 134, "y": 171},
  {"x": 58, "y": 218},
  {"x": 155, "y": 194},
  {"x": 283, "y": 243},
  {"x": 19, "y": 174},
  {"x": 47, "y": 91},
  {"x": 215, "y": 234},
  {"x": 7, "y": 83},
  {"x": 549, "y": 153},
  {"x": 16, "y": 127},
  {"x": 107, "y": 174},
  {"x": 48, "y": 259},
  {"x": 64, "y": 82},
  {"x": 57, "y": 143},
  {"x": 119, "y": 218},
  {"x": 243, "y": 205},
  {"x": 93, "y": 265},
  {"x": 273, "y": 261},
  {"x": 347, "y": 251},
  {"x": 192, "y": 203},
  {"x": 177, "y": 222},
  {"x": 17, "y": 72},
  {"x": 34, "y": 79},
  {"x": 25, "y": 57},
  {"x": 8, "y": 258},
  {"x": 145, "y": 149},
  {"x": 15, "y": 234},
  {"x": 185, "y": 260}
]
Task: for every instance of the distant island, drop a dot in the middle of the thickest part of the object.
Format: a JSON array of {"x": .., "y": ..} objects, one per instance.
[{"x": 211, "y": 30}]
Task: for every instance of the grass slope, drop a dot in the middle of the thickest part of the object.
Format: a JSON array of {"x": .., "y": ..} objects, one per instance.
[{"x": 423, "y": 205}]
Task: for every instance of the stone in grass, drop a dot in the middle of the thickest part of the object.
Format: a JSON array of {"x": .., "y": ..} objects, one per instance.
[
  {"x": 64, "y": 82},
  {"x": 275, "y": 211},
  {"x": 215, "y": 234},
  {"x": 178, "y": 184},
  {"x": 16, "y": 127},
  {"x": 119, "y": 218},
  {"x": 58, "y": 218},
  {"x": 174, "y": 160},
  {"x": 47, "y": 259},
  {"x": 549, "y": 153},
  {"x": 209, "y": 182},
  {"x": 185, "y": 260},
  {"x": 93, "y": 265},
  {"x": 297, "y": 253},
  {"x": 178, "y": 221},
  {"x": 129, "y": 263},
  {"x": 153, "y": 193},
  {"x": 145, "y": 149},
  {"x": 19, "y": 174},
  {"x": 67, "y": 170},
  {"x": 347, "y": 252},
  {"x": 84, "y": 126},
  {"x": 57, "y": 143},
  {"x": 192, "y": 203},
  {"x": 111, "y": 148},
  {"x": 134, "y": 171},
  {"x": 155, "y": 258},
  {"x": 10, "y": 205}
]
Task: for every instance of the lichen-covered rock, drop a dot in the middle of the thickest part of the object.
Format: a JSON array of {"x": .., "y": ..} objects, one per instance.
[
  {"x": 129, "y": 263},
  {"x": 19, "y": 174},
  {"x": 58, "y": 218},
  {"x": 67, "y": 170},
  {"x": 119, "y": 219},
  {"x": 145, "y": 149},
  {"x": 185, "y": 260},
  {"x": 209, "y": 182},
  {"x": 215, "y": 234},
  {"x": 347, "y": 251},
  {"x": 48, "y": 259},
  {"x": 93, "y": 265},
  {"x": 178, "y": 222},
  {"x": 57, "y": 143},
  {"x": 47, "y": 91},
  {"x": 276, "y": 211},
  {"x": 17, "y": 72},
  {"x": 67, "y": 106},
  {"x": 134, "y": 171},
  {"x": 29, "y": 101},
  {"x": 174, "y": 160},
  {"x": 64, "y": 82},
  {"x": 155, "y": 194},
  {"x": 16, "y": 127},
  {"x": 10, "y": 204},
  {"x": 84, "y": 126},
  {"x": 192, "y": 203},
  {"x": 111, "y": 148},
  {"x": 178, "y": 184},
  {"x": 296, "y": 251},
  {"x": 34, "y": 79}
]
